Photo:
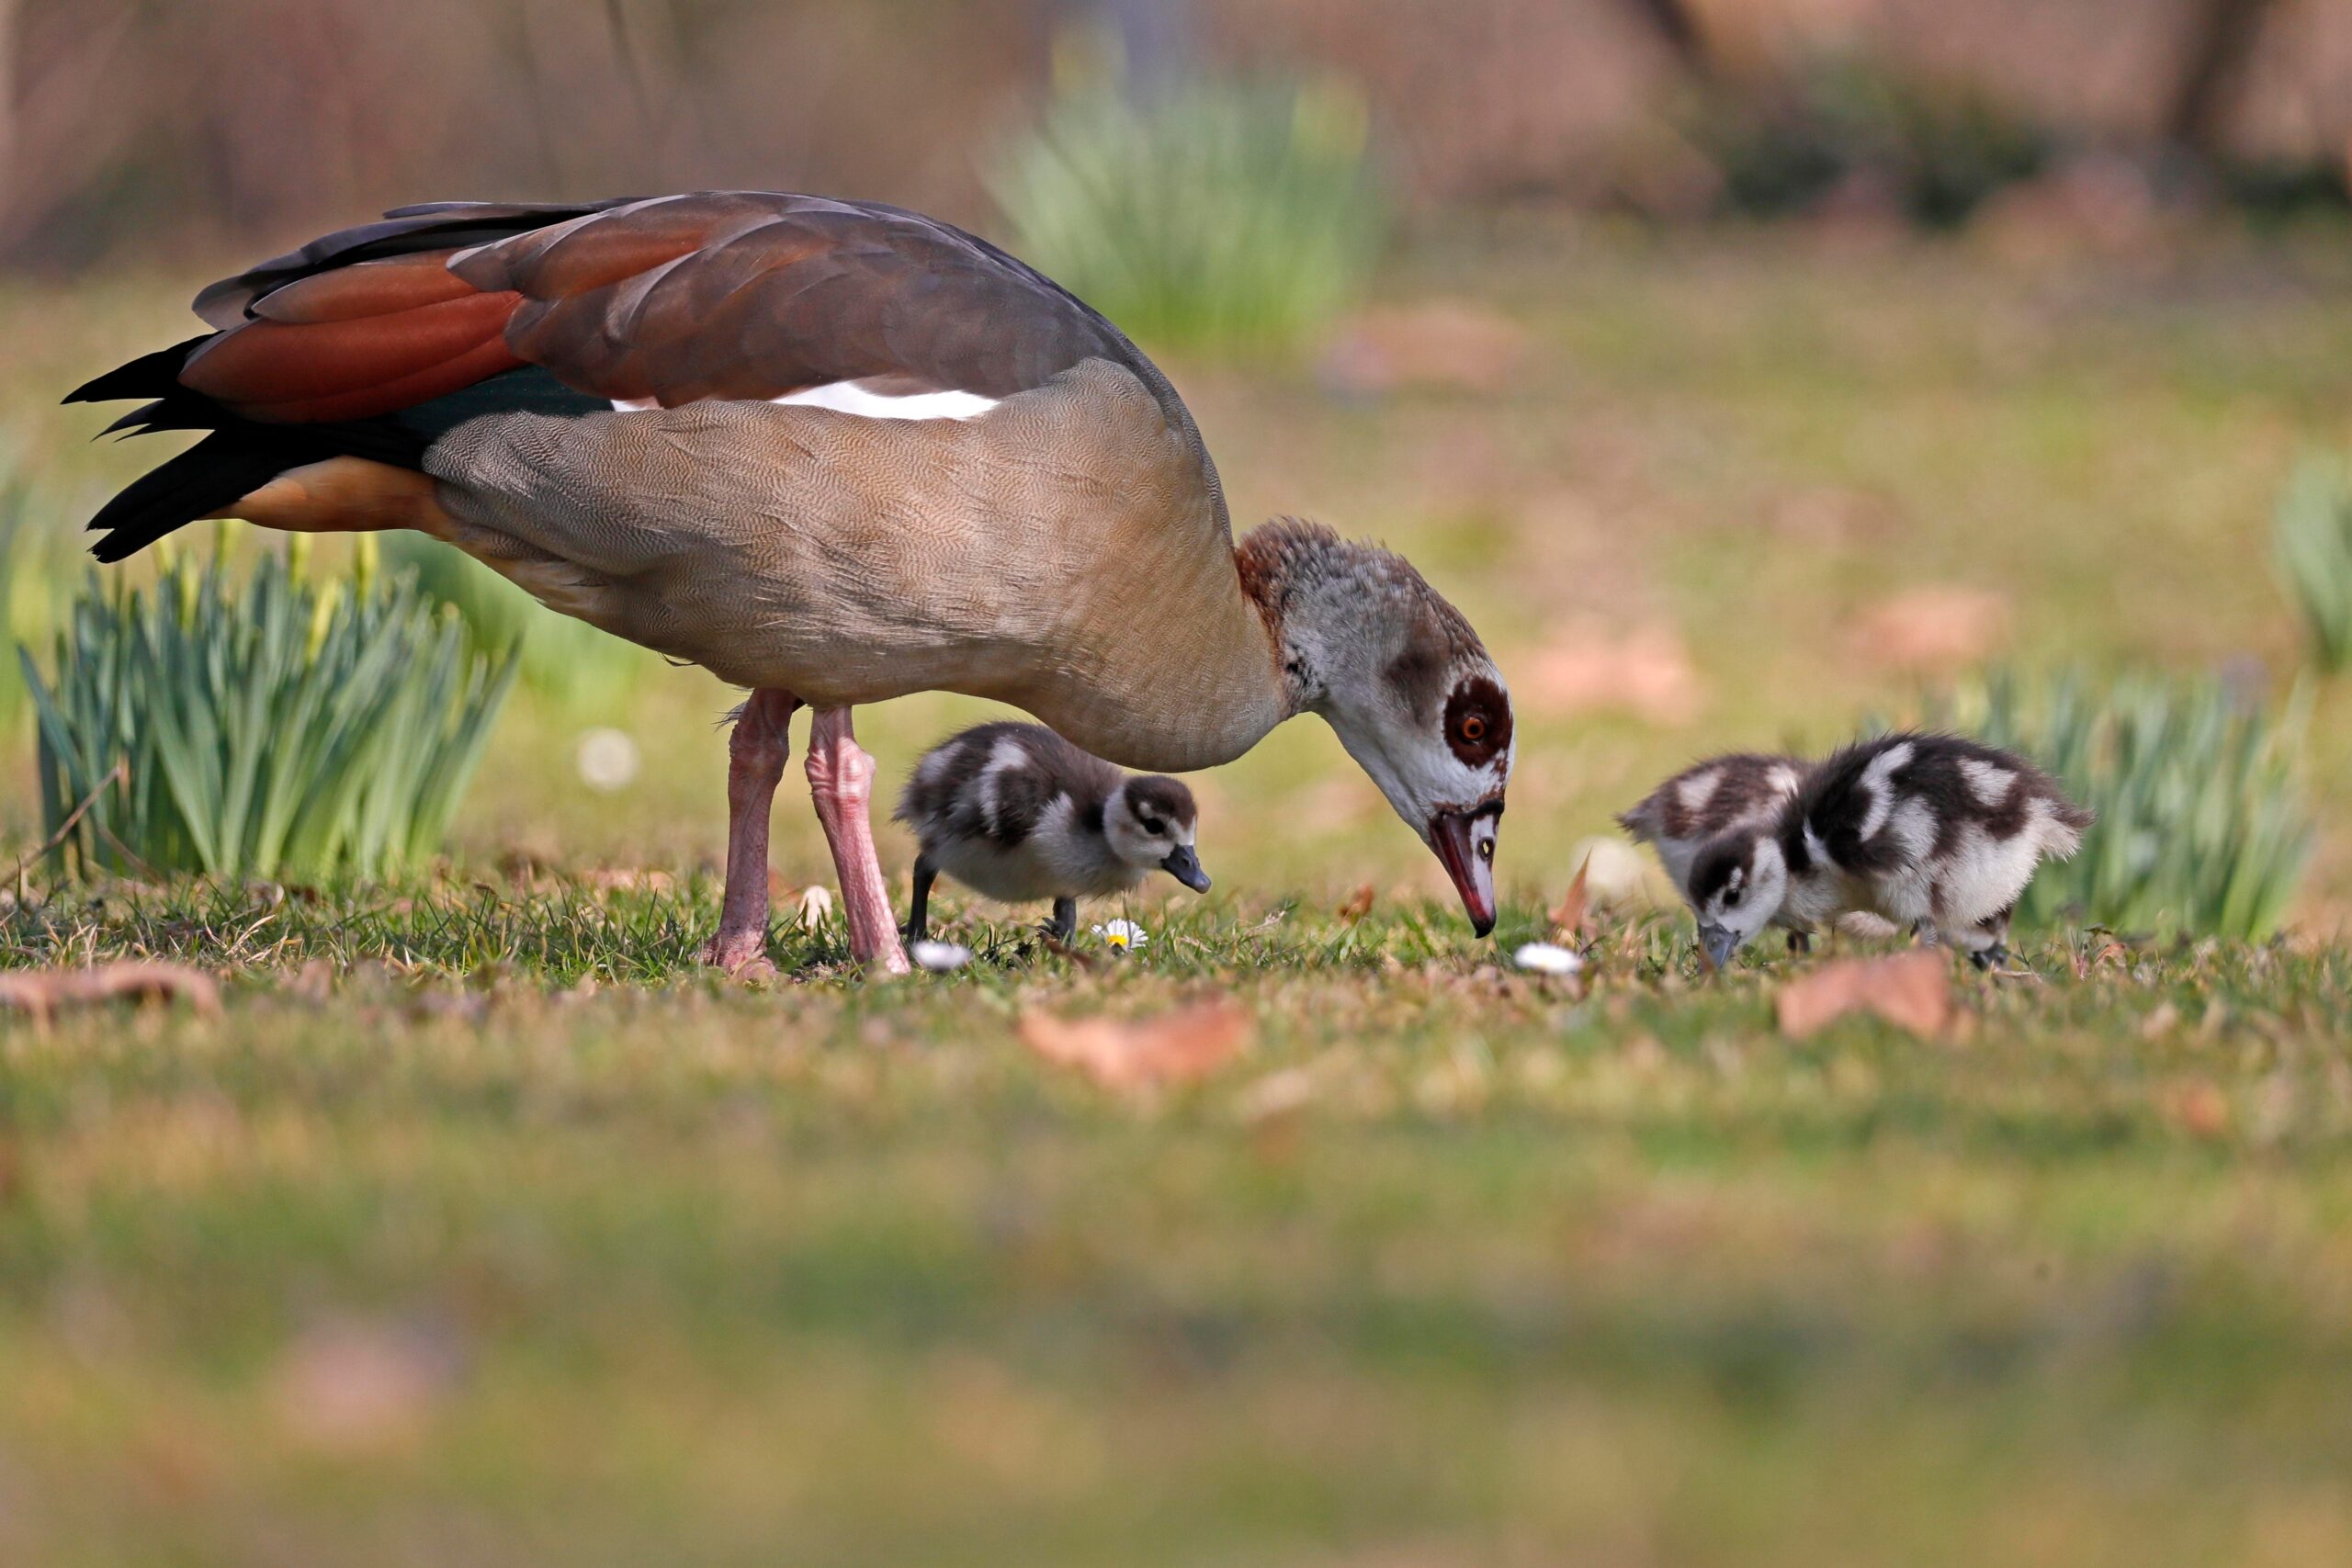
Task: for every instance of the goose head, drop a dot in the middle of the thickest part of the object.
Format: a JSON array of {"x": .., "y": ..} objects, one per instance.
[{"x": 1403, "y": 681}]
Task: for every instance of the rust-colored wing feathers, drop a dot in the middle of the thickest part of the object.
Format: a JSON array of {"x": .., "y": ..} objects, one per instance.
[
  {"x": 670, "y": 300},
  {"x": 331, "y": 356},
  {"x": 333, "y": 349},
  {"x": 760, "y": 296}
]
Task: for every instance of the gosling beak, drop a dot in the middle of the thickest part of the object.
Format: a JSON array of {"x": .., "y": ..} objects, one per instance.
[
  {"x": 1464, "y": 843},
  {"x": 1719, "y": 944},
  {"x": 1185, "y": 867}
]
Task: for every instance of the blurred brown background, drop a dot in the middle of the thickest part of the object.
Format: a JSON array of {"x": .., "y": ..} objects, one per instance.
[{"x": 218, "y": 120}]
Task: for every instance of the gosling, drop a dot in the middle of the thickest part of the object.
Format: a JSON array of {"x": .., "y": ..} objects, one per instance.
[
  {"x": 1931, "y": 831},
  {"x": 1681, "y": 814},
  {"x": 1015, "y": 812}
]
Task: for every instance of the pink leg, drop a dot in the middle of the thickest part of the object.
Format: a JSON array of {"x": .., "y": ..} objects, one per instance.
[
  {"x": 840, "y": 782},
  {"x": 755, "y": 757}
]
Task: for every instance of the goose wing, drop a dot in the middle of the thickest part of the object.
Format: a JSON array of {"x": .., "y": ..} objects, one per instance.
[{"x": 375, "y": 340}]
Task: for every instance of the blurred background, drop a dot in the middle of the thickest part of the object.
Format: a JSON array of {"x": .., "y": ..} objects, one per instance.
[{"x": 1748, "y": 368}]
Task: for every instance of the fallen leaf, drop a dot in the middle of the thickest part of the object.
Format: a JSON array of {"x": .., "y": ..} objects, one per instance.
[
  {"x": 42, "y": 991},
  {"x": 1449, "y": 345},
  {"x": 1646, "y": 671},
  {"x": 1175, "y": 1047},
  {"x": 1357, "y": 905},
  {"x": 2198, "y": 1108},
  {"x": 1911, "y": 990},
  {"x": 1933, "y": 628},
  {"x": 636, "y": 879},
  {"x": 1570, "y": 915},
  {"x": 355, "y": 1386}
]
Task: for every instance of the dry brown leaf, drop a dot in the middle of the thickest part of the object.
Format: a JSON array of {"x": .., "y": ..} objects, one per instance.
[
  {"x": 638, "y": 879},
  {"x": 1933, "y": 628},
  {"x": 1646, "y": 671},
  {"x": 1174, "y": 1047},
  {"x": 359, "y": 1386},
  {"x": 1448, "y": 344},
  {"x": 2198, "y": 1108},
  {"x": 1571, "y": 913},
  {"x": 1357, "y": 905},
  {"x": 42, "y": 991},
  {"x": 1910, "y": 990}
]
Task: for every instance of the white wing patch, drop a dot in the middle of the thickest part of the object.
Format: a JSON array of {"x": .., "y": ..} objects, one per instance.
[
  {"x": 1877, "y": 782},
  {"x": 1009, "y": 756},
  {"x": 1698, "y": 789},
  {"x": 1989, "y": 782},
  {"x": 848, "y": 397}
]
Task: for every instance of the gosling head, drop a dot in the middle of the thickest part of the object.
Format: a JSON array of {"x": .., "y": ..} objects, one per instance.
[
  {"x": 1738, "y": 883},
  {"x": 1149, "y": 822}
]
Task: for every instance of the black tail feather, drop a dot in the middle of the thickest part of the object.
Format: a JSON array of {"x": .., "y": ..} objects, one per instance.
[
  {"x": 155, "y": 375},
  {"x": 199, "y": 481}
]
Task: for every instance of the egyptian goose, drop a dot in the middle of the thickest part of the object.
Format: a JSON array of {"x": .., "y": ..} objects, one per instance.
[
  {"x": 1681, "y": 814},
  {"x": 1931, "y": 831},
  {"x": 834, "y": 453},
  {"x": 1018, "y": 813}
]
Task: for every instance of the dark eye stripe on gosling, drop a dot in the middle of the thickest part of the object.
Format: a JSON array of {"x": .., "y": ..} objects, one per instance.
[
  {"x": 1709, "y": 797},
  {"x": 1017, "y": 813}
]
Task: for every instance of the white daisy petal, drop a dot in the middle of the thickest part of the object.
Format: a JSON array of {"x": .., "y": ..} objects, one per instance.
[
  {"x": 1548, "y": 958},
  {"x": 1122, "y": 933}
]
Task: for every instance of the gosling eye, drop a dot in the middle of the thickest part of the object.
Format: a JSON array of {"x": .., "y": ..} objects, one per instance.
[{"x": 1153, "y": 826}]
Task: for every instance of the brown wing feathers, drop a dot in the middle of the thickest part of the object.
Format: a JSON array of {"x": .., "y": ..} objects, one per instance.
[{"x": 327, "y": 350}]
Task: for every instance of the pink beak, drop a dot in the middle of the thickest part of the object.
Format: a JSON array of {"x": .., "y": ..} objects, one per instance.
[{"x": 1465, "y": 846}]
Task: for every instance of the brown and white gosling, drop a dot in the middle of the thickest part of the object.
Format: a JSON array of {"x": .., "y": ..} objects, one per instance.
[
  {"x": 1931, "y": 831},
  {"x": 1679, "y": 817},
  {"x": 1017, "y": 813}
]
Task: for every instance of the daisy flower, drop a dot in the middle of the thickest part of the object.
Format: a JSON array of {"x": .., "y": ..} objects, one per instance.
[{"x": 1123, "y": 934}]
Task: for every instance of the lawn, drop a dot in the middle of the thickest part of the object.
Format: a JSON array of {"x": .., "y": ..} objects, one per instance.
[{"x": 478, "y": 1226}]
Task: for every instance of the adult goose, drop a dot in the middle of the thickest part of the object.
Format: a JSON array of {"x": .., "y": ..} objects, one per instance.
[{"x": 833, "y": 452}]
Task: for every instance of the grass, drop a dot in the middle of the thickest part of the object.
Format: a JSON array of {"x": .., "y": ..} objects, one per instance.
[
  {"x": 258, "y": 724},
  {"x": 1208, "y": 213},
  {"x": 482, "y": 1227},
  {"x": 1452, "y": 1263}
]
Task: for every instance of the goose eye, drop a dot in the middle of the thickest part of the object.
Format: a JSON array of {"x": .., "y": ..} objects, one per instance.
[
  {"x": 1154, "y": 827},
  {"x": 1473, "y": 728}
]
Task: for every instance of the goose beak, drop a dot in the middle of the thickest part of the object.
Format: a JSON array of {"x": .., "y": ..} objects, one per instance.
[
  {"x": 1464, "y": 843},
  {"x": 1719, "y": 944},
  {"x": 1185, "y": 867}
]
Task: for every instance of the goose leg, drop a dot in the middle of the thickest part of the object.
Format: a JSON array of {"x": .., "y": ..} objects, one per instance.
[
  {"x": 841, "y": 783},
  {"x": 755, "y": 757}
]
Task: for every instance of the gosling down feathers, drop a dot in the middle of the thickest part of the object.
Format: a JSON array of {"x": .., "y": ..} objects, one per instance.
[
  {"x": 1018, "y": 813},
  {"x": 1931, "y": 831},
  {"x": 1734, "y": 790},
  {"x": 835, "y": 452}
]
